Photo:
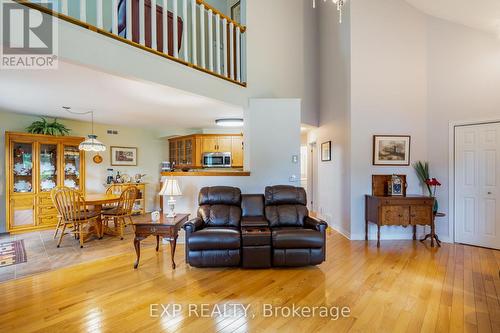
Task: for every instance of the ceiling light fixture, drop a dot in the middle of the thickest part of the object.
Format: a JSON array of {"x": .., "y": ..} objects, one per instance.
[
  {"x": 229, "y": 122},
  {"x": 340, "y": 7},
  {"x": 91, "y": 144}
]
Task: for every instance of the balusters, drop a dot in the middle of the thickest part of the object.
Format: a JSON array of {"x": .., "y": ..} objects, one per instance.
[
  {"x": 175, "y": 30},
  {"x": 217, "y": 43},
  {"x": 193, "y": 31},
  {"x": 231, "y": 48},
  {"x": 238, "y": 54},
  {"x": 142, "y": 23},
  {"x": 129, "y": 19},
  {"x": 224, "y": 41},
  {"x": 154, "y": 45},
  {"x": 83, "y": 10},
  {"x": 202, "y": 36},
  {"x": 210, "y": 41},
  {"x": 98, "y": 4},
  {"x": 64, "y": 7},
  {"x": 165, "y": 26},
  {"x": 114, "y": 21},
  {"x": 185, "y": 36}
]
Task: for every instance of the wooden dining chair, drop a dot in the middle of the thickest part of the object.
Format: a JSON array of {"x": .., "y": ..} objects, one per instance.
[
  {"x": 113, "y": 189},
  {"x": 123, "y": 210},
  {"x": 59, "y": 218},
  {"x": 74, "y": 214}
]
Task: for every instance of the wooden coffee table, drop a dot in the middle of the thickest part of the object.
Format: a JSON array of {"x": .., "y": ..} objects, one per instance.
[{"x": 166, "y": 227}]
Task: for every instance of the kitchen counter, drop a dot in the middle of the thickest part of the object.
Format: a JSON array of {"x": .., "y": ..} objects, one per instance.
[{"x": 208, "y": 173}]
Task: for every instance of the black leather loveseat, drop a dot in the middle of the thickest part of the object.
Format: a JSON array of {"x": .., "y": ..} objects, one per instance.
[{"x": 256, "y": 231}]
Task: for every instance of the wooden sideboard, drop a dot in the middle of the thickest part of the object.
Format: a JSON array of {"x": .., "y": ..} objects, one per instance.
[{"x": 399, "y": 211}]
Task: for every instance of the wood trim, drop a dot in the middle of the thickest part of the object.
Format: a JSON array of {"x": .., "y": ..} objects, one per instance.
[
  {"x": 124, "y": 40},
  {"x": 222, "y": 15},
  {"x": 206, "y": 173},
  {"x": 43, "y": 137}
]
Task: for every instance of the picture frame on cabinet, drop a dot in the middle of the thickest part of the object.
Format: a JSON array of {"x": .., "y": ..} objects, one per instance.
[
  {"x": 326, "y": 151},
  {"x": 391, "y": 150}
]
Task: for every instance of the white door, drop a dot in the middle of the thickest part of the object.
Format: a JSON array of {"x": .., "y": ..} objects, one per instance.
[{"x": 477, "y": 191}]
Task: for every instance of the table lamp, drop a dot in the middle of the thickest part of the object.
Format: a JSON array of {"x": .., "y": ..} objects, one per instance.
[{"x": 171, "y": 188}]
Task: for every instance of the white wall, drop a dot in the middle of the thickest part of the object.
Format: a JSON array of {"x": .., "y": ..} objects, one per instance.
[
  {"x": 388, "y": 94},
  {"x": 147, "y": 141},
  {"x": 463, "y": 85},
  {"x": 331, "y": 180},
  {"x": 268, "y": 150},
  {"x": 409, "y": 74}
]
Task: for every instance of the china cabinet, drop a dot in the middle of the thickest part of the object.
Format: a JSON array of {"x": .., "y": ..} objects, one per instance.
[{"x": 35, "y": 164}]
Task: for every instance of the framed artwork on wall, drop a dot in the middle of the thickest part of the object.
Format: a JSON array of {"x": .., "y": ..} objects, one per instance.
[
  {"x": 391, "y": 150},
  {"x": 123, "y": 156},
  {"x": 236, "y": 12},
  {"x": 326, "y": 151}
]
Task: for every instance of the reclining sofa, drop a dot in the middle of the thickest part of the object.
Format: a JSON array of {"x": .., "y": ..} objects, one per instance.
[{"x": 254, "y": 230}]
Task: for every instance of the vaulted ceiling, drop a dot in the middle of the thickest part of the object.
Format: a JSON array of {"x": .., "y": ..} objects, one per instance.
[{"x": 478, "y": 14}]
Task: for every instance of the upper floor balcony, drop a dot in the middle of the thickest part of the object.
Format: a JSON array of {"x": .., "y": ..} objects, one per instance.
[{"x": 208, "y": 39}]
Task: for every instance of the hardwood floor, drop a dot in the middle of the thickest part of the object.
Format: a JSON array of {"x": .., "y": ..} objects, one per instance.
[{"x": 404, "y": 286}]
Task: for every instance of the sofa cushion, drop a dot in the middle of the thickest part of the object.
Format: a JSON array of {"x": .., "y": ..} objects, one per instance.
[
  {"x": 296, "y": 238},
  {"x": 219, "y": 195},
  {"x": 285, "y": 195},
  {"x": 220, "y": 215},
  {"x": 215, "y": 239},
  {"x": 286, "y": 215},
  {"x": 254, "y": 221},
  {"x": 252, "y": 205}
]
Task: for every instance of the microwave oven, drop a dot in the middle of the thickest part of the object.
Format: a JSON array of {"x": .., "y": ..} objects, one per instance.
[{"x": 217, "y": 160}]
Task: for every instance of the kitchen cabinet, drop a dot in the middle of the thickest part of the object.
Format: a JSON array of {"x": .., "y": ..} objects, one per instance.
[
  {"x": 237, "y": 151},
  {"x": 36, "y": 164},
  {"x": 187, "y": 151}
]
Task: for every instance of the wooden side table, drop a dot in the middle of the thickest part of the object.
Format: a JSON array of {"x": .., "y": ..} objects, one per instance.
[
  {"x": 166, "y": 227},
  {"x": 433, "y": 235}
]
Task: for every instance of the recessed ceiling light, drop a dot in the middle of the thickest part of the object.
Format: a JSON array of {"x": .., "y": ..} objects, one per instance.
[{"x": 229, "y": 122}]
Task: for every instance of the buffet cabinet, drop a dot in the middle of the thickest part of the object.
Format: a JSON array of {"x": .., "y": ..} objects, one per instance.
[
  {"x": 405, "y": 211},
  {"x": 35, "y": 164}
]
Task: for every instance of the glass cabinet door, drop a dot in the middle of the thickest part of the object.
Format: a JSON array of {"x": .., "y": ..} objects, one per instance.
[
  {"x": 180, "y": 152},
  {"x": 189, "y": 151},
  {"x": 71, "y": 167},
  {"x": 22, "y": 169},
  {"x": 48, "y": 167}
]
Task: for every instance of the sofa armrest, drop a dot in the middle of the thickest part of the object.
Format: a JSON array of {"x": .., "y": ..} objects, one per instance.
[
  {"x": 193, "y": 225},
  {"x": 315, "y": 223}
]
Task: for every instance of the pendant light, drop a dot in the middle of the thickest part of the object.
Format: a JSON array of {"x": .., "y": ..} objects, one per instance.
[{"x": 91, "y": 144}]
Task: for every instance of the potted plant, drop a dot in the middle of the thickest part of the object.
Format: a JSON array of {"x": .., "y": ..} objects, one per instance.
[
  {"x": 48, "y": 128},
  {"x": 422, "y": 169}
]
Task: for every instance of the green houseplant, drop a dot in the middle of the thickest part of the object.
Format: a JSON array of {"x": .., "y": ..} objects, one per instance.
[
  {"x": 422, "y": 169},
  {"x": 48, "y": 128}
]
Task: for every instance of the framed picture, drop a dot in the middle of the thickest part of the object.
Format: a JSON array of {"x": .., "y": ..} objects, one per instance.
[
  {"x": 126, "y": 156},
  {"x": 391, "y": 150},
  {"x": 326, "y": 151},
  {"x": 236, "y": 12}
]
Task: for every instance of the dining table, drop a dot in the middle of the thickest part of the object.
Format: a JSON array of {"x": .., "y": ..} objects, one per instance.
[{"x": 97, "y": 201}]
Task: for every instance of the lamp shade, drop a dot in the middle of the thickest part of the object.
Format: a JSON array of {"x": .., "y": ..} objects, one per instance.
[
  {"x": 92, "y": 144},
  {"x": 171, "y": 188}
]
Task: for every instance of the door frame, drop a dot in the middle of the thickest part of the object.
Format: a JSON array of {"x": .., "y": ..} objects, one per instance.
[{"x": 451, "y": 165}]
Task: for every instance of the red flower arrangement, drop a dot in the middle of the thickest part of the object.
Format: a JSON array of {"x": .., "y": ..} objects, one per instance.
[{"x": 434, "y": 183}]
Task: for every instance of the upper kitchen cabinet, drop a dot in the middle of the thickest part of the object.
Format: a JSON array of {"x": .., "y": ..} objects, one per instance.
[{"x": 187, "y": 151}]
